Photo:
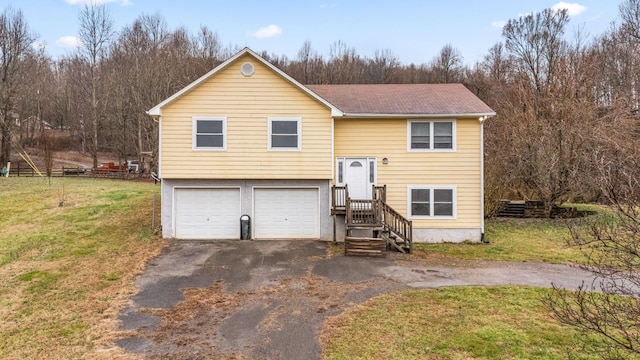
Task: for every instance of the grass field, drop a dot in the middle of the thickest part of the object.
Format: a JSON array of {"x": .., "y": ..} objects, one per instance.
[
  {"x": 526, "y": 240},
  {"x": 452, "y": 323},
  {"x": 70, "y": 250}
]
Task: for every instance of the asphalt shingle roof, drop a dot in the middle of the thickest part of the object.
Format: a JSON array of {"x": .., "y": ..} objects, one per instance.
[{"x": 400, "y": 99}]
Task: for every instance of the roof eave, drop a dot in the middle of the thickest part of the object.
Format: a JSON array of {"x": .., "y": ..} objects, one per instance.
[{"x": 420, "y": 116}]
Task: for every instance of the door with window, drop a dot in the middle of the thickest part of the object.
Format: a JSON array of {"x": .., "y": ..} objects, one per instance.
[{"x": 359, "y": 174}]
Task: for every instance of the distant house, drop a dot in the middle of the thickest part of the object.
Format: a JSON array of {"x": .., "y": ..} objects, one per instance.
[
  {"x": 246, "y": 138},
  {"x": 33, "y": 123}
]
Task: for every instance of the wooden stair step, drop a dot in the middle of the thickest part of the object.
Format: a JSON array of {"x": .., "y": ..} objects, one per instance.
[
  {"x": 359, "y": 227},
  {"x": 365, "y": 246},
  {"x": 395, "y": 244}
]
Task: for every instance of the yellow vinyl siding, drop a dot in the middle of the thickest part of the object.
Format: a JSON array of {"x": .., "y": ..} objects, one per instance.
[
  {"x": 388, "y": 138},
  {"x": 246, "y": 103}
]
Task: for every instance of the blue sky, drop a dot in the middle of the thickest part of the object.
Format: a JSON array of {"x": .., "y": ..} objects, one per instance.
[{"x": 414, "y": 30}]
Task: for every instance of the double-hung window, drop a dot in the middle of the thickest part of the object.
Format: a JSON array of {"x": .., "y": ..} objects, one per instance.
[
  {"x": 284, "y": 134},
  {"x": 431, "y": 135},
  {"x": 210, "y": 133},
  {"x": 431, "y": 202}
]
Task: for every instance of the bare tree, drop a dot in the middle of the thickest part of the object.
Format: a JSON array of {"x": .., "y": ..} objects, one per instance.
[
  {"x": 496, "y": 65},
  {"x": 209, "y": 47},
  {"x": 630, "y": 14},
  {"x": 611, "y": 243},
  {"x": 610, "y": 306},
  {"x": 302, "y": 69},
  {"x": 34, "y": 102},
  {"x": 382, "y": 68},
  {"x": 447, "y": 66},
  {"x": 345, "y": 65},
  {"x": 96, "y": 30},
  {"x": 536, "y": 40},
  {"x": 546, "y": 110},
  {"x": 15, "y": 44}
]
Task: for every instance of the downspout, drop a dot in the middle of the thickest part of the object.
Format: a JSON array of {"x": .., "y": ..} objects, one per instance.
[
  {"x": 157, "y": 119},
  {"x": 482, "y": 237},
  {"x": 333, "y": 164}
]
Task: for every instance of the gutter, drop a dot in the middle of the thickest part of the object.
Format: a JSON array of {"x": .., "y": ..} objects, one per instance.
[{"x": 482, "y": 116}]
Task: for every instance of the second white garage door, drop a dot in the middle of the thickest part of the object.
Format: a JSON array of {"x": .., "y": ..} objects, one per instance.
[
  {"x": 286, "y": 213},
  {"x": 207, "y": 213}
]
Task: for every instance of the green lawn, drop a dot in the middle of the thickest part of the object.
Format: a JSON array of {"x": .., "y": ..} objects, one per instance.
[
  {"x": 526, "y": 240},
  {"x": 452, "y": 323},
  {"x": 69, "y": 251}
]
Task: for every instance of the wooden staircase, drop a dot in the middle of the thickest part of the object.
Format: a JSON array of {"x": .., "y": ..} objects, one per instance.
[{"x": 372, "y": 226}]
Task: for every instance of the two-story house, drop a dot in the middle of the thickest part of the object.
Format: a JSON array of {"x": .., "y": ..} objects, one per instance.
[{"x": 248, "y": 139}]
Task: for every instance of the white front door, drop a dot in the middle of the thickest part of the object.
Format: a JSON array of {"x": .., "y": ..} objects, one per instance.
[{"x": 357, "y": 178}]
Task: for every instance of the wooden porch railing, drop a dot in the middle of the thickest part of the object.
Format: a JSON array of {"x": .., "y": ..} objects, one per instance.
[
  {"x": 382, "y": 218},
  {"x": 363, "y": 213},
  {"x": 380, "y": 192},
  {"x": 339, "y": 196},
  {"x": 397, "y": 225}
]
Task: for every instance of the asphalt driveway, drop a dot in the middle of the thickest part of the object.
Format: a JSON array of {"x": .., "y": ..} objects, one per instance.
[{"x": 268, "y": 299}]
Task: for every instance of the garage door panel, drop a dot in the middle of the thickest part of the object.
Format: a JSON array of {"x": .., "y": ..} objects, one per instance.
[
  {"x": 205, "y": 213},
  {"x": 286, "y": 213}
]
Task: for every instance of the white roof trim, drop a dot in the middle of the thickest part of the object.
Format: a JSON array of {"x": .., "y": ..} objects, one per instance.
[
  {"x": 157, "y": 110},
  {"x": 421, "y": 116}
]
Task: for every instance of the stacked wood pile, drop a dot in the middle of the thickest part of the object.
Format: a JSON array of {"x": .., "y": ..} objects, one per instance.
[{"x": 533, "y": 209}]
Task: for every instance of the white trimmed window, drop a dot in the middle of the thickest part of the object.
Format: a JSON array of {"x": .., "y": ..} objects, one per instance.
[
  {"x": 431, "y": 202},
  {"x": 436, "y": 135},
  {"x": 210, "y": 133},
  {"x": 285, "y": 133}
]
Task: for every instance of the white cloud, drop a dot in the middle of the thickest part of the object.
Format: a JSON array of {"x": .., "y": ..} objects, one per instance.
[
  {"x": 267, "y": 32},
  {"x": 97, "y": 2},
  {"x": 68, "y": 42},
  {"x": 572, "y": 8},
  {"x": 498, "y": 24}
]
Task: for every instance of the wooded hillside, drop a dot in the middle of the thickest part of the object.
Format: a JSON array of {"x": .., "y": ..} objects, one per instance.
[{"x": 566, "y": 104}]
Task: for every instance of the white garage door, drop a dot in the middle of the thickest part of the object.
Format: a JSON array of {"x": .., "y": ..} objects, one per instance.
[
  {"x": 203, "y": 213},
  {"x": 286, "y": 214}
]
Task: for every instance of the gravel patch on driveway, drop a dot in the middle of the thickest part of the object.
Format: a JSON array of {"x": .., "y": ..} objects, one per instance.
[{"x": 268, "y": 299}]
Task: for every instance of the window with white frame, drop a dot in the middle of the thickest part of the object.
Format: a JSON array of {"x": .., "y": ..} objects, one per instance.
[
  {"x": 284, "y": 133},
  {"x": 431, "y": 135},
  {"x": 210, "y": 133},
  {"x": 431, "y": 202}
]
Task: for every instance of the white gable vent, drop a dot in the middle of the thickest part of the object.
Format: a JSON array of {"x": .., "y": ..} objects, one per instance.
[{"x": 247, "y": 69}]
